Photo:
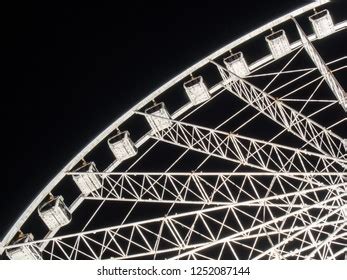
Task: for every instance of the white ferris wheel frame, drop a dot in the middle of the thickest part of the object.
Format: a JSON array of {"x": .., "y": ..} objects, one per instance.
[{"x": 304, "y": 42}]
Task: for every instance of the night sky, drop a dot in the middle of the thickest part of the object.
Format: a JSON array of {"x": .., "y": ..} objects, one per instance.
[{"x": 72, "y": 70}]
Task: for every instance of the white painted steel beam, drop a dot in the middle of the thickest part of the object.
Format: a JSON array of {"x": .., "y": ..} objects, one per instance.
[
  {"x": 330, "y": 79},
  {"x": 311, "y": 132}
]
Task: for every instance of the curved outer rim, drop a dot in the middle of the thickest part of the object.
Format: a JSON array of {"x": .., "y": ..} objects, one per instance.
[{"x": 50, "y": 186}]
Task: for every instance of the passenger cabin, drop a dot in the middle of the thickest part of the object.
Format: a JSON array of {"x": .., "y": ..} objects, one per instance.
[
  {"x": 278, "y": 44},
  {"x": 158, "y": 117},
  {"x": 322, "y": 23},
  {"x": 196, "y": 90},
  {"x": 86, "y": 181},
  {"x": 121, "y": 146},
  {"x": 55, "y": 213},
  {"x": 237, "y": 65},
  {"x": 24, "y": 252}
]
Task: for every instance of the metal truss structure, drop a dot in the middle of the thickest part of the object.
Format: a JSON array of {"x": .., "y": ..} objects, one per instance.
[{"x": 252, "y": 167}]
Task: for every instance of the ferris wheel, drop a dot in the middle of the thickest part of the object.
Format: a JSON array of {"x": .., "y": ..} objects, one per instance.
[{"x": 237, "y": 157}]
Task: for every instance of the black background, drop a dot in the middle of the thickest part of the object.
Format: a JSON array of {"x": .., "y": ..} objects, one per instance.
[{"x": 70, "y": 70}]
